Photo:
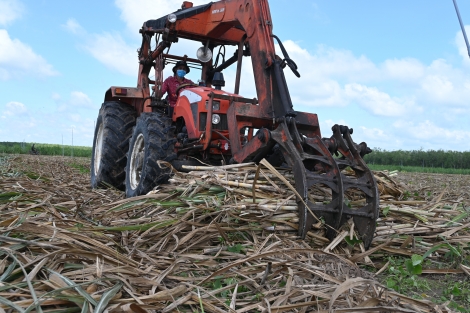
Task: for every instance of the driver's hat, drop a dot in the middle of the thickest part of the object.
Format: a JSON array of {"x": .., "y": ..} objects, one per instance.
[{"x": 179, "y": 63}]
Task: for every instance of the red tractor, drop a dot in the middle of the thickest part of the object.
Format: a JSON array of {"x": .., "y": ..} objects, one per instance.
[{"x": 134, "y": 132}]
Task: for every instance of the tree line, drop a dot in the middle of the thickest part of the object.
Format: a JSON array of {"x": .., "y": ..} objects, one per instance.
[{"x": 429, "y": 158}]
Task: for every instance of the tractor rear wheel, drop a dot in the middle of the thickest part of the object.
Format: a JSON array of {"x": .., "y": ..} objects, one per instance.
[
  {"x": 153, "y": 139},
  {"x": 111, "y": 143}
]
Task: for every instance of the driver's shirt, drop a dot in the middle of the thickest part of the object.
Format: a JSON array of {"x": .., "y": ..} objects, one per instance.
[{"x": 170, "y": 85}]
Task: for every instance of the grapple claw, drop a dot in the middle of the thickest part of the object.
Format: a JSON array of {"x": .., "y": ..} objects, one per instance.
[{"x": 327, "y": 186}]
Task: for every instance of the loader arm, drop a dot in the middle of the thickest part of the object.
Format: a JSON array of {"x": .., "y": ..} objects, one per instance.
[
  {"x": 248, "y": 25},
  {"x": 227, "y": 22}
]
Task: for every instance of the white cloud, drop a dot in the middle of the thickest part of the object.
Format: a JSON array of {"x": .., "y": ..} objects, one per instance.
[
  {"x": 16, "y": 121},
  {"x": 113, "y": 52},
  {"x": 438, "y": 86},
  {"x": 376, "y": 101},
  {"x": 14, "y": 108},
  {"x": 327, "y": 62},
  {"x": 10, "y": 10},
  {"x": 428, "y": 132},
  {"x": 323, "y": 93},
  {"x": 135, "y": 13},
  {"x": 329, "y": 78},
  {"x": 379, "y": 138},
  {"x": 79, "y": 99},
  {"x": 108, "y": 48},
  {"x": 55, "y": 96},
  {"x": 73, "y": 26},
  {"x": 374, "y": 133},
  {"x": 337, "y": 78},
  {"x": 19, "y": 60},
  {"x": 75, "y": 117},
  {"x": 447, "y": 88},
  {"x": 19, "y": 122},
  {"x": 407, "y": 70}
]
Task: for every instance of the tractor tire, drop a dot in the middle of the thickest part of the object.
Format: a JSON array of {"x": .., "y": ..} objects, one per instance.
[
  {"x": 111, "y": 143},
  {"x": 153, "y": 139}
]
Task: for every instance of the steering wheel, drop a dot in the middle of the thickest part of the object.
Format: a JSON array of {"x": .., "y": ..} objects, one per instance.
[{"x": 178, "y": 89}]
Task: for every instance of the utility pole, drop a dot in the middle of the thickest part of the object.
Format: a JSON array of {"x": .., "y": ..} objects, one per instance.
[{"x": 462, "y": 27}]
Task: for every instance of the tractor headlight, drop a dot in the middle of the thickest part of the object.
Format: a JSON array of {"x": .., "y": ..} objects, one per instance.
[
  {"x": 215, "y": 105},
  {"x": 172, "y": 18},
  {"x": 215, "y": 119}
]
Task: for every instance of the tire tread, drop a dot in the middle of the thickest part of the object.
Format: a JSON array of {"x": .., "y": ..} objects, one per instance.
[{"x": 119, "y": 120}]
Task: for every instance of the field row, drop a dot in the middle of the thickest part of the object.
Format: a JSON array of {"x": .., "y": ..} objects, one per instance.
[
  {"x": 44, "y": 149},
  {"x": 372, "y": 160}
]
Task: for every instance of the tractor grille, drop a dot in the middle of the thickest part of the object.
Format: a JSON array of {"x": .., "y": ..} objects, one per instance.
[{"x": 223, "y": 125}]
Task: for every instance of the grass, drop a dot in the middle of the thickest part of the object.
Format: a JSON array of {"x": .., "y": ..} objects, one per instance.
[
  {"x": 82, "y": 168},
  {"x": 44, "y": 149},
  {"x": 451, "y": 289},
  {"x": 418, "y": 169}
]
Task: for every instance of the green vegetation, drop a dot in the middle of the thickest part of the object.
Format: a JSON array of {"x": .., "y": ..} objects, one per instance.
[
  {"x": 44, "y": 149},
  {"x": 404, "y": 276},
  {"x": 82, "y": 168},
  {"x": 420, "y": 158},
  {"x": 418, "y": 169}
]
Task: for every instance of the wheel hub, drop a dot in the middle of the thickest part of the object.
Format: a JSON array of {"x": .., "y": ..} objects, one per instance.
[
  {"x": 98, "y": 149},
  {"x": 137, "y": 161}
]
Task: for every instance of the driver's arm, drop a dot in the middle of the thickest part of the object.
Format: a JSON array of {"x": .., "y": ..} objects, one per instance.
[{"x": 165, "y": 88}]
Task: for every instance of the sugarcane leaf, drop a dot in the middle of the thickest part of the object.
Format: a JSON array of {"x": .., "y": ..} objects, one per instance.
[
  {"x": 442, "y": 245},
  {"x": 142, "y": 227},
  {"x": 14, "y": 248},
  {"x": 85, "y": 307},
  {"x": 51, "y": 294},
  {"x": 79, "y": 289},
  {"x": 433, "y": 249},
  {"x": 454, "y": 251},
  {"x": 65, "y": 310},
  {"x": 28, "y": 281},
  {"x": 8, "y": 271},
  {"x": 458, "y": 218},
  {"x": 106, "y": 297},
  {"x": 11, "y": 286},
  {"x": 353, "y": 241},
  {"x": 11, "y": 304},
  {"x": 7, "y": 196},
  {"x": 127, "y": 205}
]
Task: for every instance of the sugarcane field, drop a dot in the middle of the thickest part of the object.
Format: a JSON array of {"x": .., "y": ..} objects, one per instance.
[
  {"x": 169, "y": 156},
  {"x": 224, "y": 239}
]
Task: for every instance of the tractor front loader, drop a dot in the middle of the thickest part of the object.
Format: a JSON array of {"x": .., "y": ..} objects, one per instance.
[{"x": 215, "y": 126}]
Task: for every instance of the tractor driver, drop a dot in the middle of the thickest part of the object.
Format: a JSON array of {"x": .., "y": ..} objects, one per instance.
[{"x": 173, "y": 82}]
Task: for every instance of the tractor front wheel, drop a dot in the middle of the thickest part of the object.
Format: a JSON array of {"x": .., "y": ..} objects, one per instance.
[
  {"x": 111, "y": 143},
  {"x": 153, "y": 140}
]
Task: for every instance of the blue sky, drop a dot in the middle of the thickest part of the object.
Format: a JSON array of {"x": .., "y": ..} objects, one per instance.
[{"x": 396, "y": 71}]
